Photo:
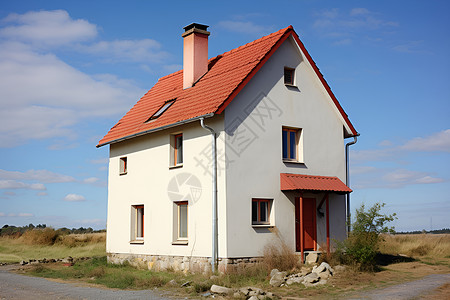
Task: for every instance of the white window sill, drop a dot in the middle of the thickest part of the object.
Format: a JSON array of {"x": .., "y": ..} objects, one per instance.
[
  {"x": 293, "y": 161},
  {"x": 180, "y": 242},
  {"x": 176, "y": 166},
  {"x": 137, "y": 242},
  {"x": 290, "y": 85},
  {"x": 262, "y": 226}
]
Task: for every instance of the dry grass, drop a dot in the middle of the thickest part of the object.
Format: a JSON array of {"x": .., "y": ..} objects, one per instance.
[
  {"x": 278, "y": 255},
  {"x": 43, "y": 244},
  {"x": 435, "y": 246}
]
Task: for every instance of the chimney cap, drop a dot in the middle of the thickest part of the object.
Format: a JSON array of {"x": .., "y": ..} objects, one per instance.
[{"x": 195, "y": 25}]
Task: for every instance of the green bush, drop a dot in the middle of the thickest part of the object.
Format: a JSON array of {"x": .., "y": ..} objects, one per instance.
[{"x": 361, "y": 247}]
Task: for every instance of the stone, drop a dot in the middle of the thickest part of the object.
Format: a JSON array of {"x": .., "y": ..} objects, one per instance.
[
  {"x": 253, "y": 298},
  {"x": 237, "y": 295},
  {"x": 207, "y": 294},
  {"x": 324, "y": 267},
  {"x": 311, "y": 258},
  {"x": 278, "y": 279},
  {"x": 187, "y": 283},
  {"x": 292, "y": 280},
  {"x": 217, "y": 289},
  {"x": 23, "y": 262},
  {"x": 311, "y": 278},
  {"x": 172, "y": 282},
  {"x": 273, "y": 272}
]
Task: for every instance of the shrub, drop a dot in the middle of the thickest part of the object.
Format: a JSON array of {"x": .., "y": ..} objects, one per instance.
[
  {"x": 361, "y": 247},
  {"x": 46, "y": 236}
]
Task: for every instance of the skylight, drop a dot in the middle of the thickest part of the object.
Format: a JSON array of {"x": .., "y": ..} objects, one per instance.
[{"x": 160, "y": 111}]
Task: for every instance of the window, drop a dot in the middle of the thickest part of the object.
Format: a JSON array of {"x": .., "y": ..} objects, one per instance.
[
  {"x": 137, "y": 223},
  {"x": 292, "y": 150},
  {"x": 123, "y": 166},
  {"x": 261, "y": 211},
  {"x": 162, "y": 109},
  {"x": 182, "y": 220},
  {"x": 289, "y": 76},
  {"x": 176, "y": 157}
]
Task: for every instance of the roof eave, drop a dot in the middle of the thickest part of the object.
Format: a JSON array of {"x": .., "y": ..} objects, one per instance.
[{"x": 155, "y": 129}]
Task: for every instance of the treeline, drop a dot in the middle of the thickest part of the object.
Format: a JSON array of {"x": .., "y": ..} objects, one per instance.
[
  {"x": 437, "y": 231},
  {"x": 10, "y": 230}
]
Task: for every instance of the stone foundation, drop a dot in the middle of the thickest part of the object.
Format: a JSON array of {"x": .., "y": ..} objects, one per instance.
[{"x": 179, "y": 263}]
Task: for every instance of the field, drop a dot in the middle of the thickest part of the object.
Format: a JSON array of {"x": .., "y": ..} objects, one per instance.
[
  {"x": 50, "y": 245},
  {"x": 426, "y": 254}
]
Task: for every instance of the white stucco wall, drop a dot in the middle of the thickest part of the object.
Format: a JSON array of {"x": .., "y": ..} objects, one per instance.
[
  {"x": 253, "y": 126},
  {"x": 147, "y": 182}
]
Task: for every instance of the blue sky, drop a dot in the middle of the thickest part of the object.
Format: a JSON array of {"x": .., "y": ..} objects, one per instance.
[{"x": 70, "y": 69}]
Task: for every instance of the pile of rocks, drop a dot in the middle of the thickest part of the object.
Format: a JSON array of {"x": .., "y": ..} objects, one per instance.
[
  {"x": 67, "y": 260},
  {"x": 250, "y": 293},
  {"x": 318, "y": 275}
]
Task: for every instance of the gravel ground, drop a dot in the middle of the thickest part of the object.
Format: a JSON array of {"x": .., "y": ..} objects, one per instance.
[
  {"x": 417, "y": 289},
  {"x": 15, "y": 286}
]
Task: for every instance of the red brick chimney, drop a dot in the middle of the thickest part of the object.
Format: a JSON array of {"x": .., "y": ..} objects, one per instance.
[{"x": 195, "y": 53}]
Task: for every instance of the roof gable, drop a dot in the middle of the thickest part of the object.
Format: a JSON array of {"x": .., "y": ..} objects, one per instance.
[{"x": 227, "y": 75}]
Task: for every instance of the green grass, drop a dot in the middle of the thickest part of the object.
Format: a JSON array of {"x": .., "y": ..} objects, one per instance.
[
  {"x": 15, "y": 250},
  {"x": 98, "y": 271}
]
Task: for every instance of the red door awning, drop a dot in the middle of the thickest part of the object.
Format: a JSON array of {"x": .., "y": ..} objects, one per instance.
[{"x": 290, "y": 182}]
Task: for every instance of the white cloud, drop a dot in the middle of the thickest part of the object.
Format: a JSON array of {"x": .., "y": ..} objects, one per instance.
[
  {"x": 9, "y": 193},
  {"x": 25, "y": 215},
  {"x": 38, "y": 175},
  {"x": 334, "y": 23},
  {"x": 246, "y": 27},
  {"x": 402, "y": 177},
  {"x": 91, "y": 180},
  {"x": 74, "y": 198},
  {"x": 57, "y": 96},
  {"x": 439, "y": 141},
  {"x": 359, "y": 11},
  {"x": 145, "y": 50},
  {"x": 21, "y": 215},
  {"x": 13, "y": 184},
  {"x": 47, "y": 28},
  {"x": 42, "y": 194}
]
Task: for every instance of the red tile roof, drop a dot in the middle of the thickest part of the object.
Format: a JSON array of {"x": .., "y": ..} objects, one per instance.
[
  {"x": 312, "y": 183},
  {"x": 227, "y": 75}
]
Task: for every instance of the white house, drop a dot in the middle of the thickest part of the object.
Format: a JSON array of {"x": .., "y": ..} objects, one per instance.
[{"x": 223, "y": 157}]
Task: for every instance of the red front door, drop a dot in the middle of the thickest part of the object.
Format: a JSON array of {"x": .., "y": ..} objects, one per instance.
[{"x": 307, "y": 216}]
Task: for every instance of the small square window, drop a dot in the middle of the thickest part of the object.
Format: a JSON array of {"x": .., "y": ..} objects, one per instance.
[
  {"x": 176, "y": 155},
  {"x": 289, "y": 76},
  {"x": 123, "y": 166},
  {"x": 261, "y": 211},
  {"x": 137, "y": 222},
  {"x": 291, "y": 144}
]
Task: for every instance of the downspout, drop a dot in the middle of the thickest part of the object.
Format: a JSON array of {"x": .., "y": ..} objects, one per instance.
[
  {"x": 214, "y": 195},
  {"x": 347, "y": 179}
]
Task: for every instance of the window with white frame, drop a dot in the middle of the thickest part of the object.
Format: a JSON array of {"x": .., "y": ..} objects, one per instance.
[
  {"x": 137, "y": 223},
  {"x": 176, "y": 149},
  {"x": 181, "y": 221},
  {"x": 123, "y": 165},
  {"x": 292, "y": 144},
  {"x": 261, "y": 210}
]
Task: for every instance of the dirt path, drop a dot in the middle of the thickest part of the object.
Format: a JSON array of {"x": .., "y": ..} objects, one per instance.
[
  {"x": 418, "y": 289},
  {"x": 15, "y": 286}
]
